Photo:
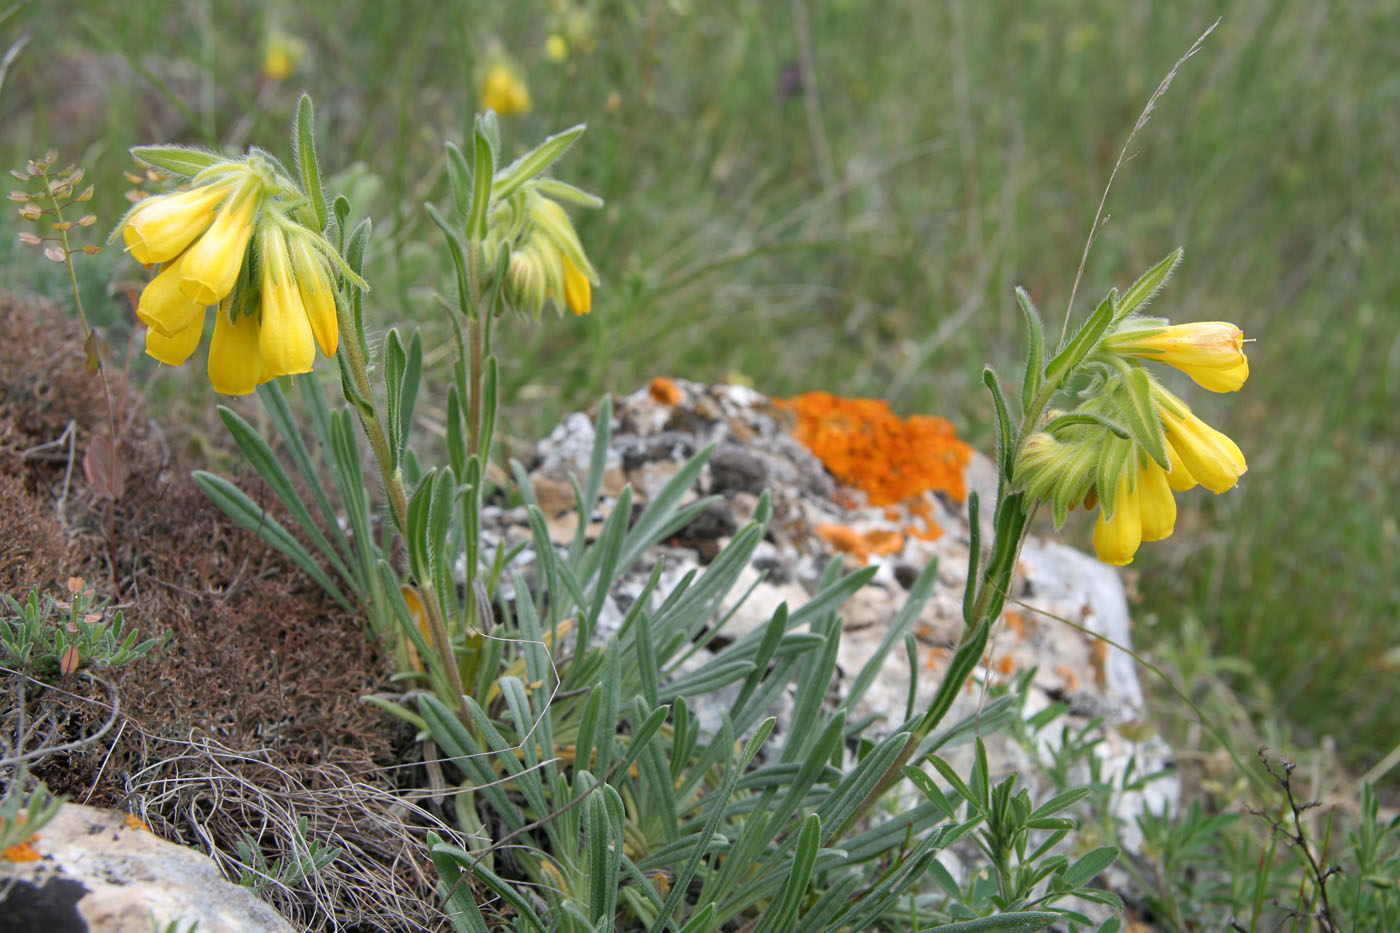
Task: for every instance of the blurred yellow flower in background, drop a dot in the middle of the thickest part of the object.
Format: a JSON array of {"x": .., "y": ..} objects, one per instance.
[
  {"x": 281, "y": 54},
  {"x": 503, "y": 89}
]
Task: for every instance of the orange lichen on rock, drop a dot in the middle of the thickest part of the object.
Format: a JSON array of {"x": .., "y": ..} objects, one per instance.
[
  {"x": 22, "y": 851},
  {"x": 664, "y": 392},
  {"x": 865, "y": 445},
  {"x": 861, "y": 545},
  {"x": 133, "y": 822}
]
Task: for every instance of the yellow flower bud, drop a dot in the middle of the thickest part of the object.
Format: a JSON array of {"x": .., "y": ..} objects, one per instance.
[
  {"x": 1179, "y": 478},
  {"x": 286, "y": 343},
  {"x": 556, "y": 49},
  {"x": 1116, "y": 540},
  {"x": 235, "y": 366},
  {"x": 1157, "y": 505},
  {"x": 175, "y": 349},
  {"x": 159, "y": 228},
  {"x": 211, "y": 265},
  {"x": 578, "y": 294},
  {"x": 317, "y": 295},
  {"x": 1210, "y": 352},
  {"x": 164, "y": 308}
]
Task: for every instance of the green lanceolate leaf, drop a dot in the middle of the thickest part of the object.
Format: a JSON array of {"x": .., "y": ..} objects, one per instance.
[
  {"x": 416, "y": 534},
  {"x": 1141, "y": 416},
  {"x": 913, "y": 605},
  {"x": 784, "y": 916},
  {"x": 563, "y": 191},
  {"x": 974, "y": 554},
  {"x": 256, "y": 449},
  {"x": 959, "y": 669},
  {"x": 459, "y": 176},
  {"x": 1113, "y": 460},
  {"x": 236, "y": 504},
  {"x": 395, "y": 362},
  {"x": 490, "y": 402},
  {"x": 1149, "y": 285},
  {"x": 355, "y": 260},
  {"x": 1006, "y": 438},
  {"x": 1035, "y": 355},
  {"x": 306, "y": 160},
  {"x": 1080, "y": 417},
  {"x": 456, "y": 894},
  {"x": 459, "y": 260},
  {"x": 1081, "y": 344},
  {"x": 178, "y": 160},
  {"x": 1088, "y": 867},
  {"x": 352, "y": 395},
  {"x": 440, "y": 509},
  {"x": 275, "y": 402},
  {"x": 483, "y": 171},
  {"x": 535, "y": 161},
  {"x": 1022, "y": 922}
]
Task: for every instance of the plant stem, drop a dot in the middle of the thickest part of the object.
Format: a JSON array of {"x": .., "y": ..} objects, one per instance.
[
  {"x": 477, "y": 337},
  {"x": 373, "y": 424}
]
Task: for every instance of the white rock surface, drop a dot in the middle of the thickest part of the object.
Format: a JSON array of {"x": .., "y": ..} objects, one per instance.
[
  {"x": 98, "y": 873},
  {"x": 755, "y": 453}
]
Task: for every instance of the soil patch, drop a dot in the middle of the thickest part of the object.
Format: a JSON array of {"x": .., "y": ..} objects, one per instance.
[{"x": 259, "y": 686}]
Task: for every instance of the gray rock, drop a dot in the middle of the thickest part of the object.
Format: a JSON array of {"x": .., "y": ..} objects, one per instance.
[
  {"x": 97, "y": 872},
  {"x": 754, "y": 453}
]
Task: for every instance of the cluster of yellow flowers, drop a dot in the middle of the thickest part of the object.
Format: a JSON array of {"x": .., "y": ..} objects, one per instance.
[
  {"x": 230, "y": 240},
  {"x": 547, "y": 261},
  {"x": 1086, "y": 462}
]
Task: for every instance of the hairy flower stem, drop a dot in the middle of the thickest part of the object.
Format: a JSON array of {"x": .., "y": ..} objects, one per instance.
[
  {"x": 1010, "y": 524},
  {"x": 475, "y": 371},
  {"x": 373, "y": 424}
]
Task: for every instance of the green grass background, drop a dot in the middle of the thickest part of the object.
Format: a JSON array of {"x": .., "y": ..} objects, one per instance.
[{"x": 863, "y": 233}]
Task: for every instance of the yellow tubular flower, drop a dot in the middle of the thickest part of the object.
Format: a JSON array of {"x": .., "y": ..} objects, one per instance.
[
  {"x": 317, "y": 297},
  {"x": 1211, "y": 458},
  {"x": 1157, "y": 505},
  {"x": 1179, "y": 478},
  {"x": 1116, "y": 540},
  {"x": 285, "y": 340},
  {"x": 235, "y": 365},
  {"x": 175, "y": 349},
  {"x": 160, "y": 228},
  {"x": 1210, "y": 352},
  {"x": 578, "y": 295},
  {"x": 211, "y": 265},
  {"x": 164, "y": 308}
]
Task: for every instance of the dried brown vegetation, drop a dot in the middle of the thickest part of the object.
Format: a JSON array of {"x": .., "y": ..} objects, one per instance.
[{"x": 262, "y": 666}]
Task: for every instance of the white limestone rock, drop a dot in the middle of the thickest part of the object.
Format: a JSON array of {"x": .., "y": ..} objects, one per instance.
[{"x": 100, "y": 873}]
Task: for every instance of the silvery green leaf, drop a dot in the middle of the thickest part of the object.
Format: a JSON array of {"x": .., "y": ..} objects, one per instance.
[{"x": 178, "y": 160}]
